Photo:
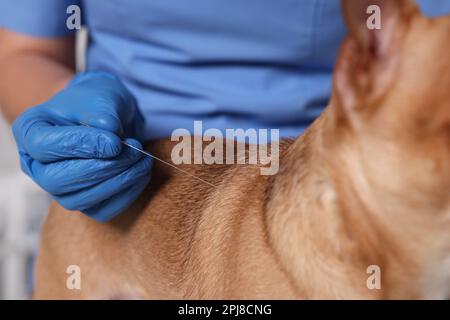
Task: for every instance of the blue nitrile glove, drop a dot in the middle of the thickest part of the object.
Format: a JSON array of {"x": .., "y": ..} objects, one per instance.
[{"x": 86, "y": 167}]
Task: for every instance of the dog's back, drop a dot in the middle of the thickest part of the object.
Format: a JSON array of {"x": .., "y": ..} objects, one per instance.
[{"x": 182, "y": 239}]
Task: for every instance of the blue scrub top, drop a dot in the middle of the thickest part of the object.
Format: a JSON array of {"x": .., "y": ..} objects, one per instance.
[{"x": 230, "y": 63}]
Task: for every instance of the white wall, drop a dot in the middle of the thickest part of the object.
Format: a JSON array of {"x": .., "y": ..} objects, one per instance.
[{"x": 8, "y": 160}]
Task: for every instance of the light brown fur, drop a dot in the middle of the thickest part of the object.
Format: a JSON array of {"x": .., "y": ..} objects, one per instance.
[{"x": 367, "y": 184}]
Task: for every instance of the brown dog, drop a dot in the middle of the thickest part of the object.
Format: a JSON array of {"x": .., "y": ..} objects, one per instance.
[{"x": 368, "y": 184}]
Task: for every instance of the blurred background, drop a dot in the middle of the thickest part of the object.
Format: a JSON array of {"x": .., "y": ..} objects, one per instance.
[{"x": 23, "y": 207}]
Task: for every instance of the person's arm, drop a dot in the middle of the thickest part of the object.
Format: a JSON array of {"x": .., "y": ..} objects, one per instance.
[
  {"x": 68, "y": 128},
  {"x": 32, "y": 70}
]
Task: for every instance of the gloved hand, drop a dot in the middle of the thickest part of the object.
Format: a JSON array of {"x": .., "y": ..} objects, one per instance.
[{"x": 86, "y": 167}]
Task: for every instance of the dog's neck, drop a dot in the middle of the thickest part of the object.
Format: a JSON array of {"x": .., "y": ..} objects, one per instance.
[{"x": 330, "y": 232}]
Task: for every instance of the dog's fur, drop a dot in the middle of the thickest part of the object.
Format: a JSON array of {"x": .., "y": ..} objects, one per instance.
[{"x": 367, "y": 184}]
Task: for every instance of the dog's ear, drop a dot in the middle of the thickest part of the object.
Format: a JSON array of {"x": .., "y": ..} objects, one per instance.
[
  {"x": 372, "y": 23},
  {"x": 366, "y": 64}
]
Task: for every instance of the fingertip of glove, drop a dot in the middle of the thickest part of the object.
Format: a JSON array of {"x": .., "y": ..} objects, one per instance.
[
  {"x": 108, "y": 145},
  {"x": 135, "y": 143}
]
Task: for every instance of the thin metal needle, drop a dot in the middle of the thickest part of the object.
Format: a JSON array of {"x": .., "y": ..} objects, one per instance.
[
  {"x": 156, "y": 158},
  {"x": 169, "y": 164}
]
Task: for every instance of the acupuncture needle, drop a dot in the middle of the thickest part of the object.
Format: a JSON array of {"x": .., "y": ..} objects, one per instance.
[{"x": 158, "y": 159}]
